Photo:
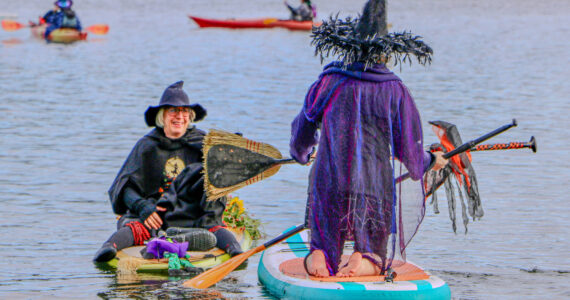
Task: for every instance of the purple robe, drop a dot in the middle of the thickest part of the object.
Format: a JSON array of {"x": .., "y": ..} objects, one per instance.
[{"x": 370, "y": 133}]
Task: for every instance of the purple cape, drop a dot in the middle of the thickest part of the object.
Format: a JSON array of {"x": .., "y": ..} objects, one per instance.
[{"x": 370, "y": 133}]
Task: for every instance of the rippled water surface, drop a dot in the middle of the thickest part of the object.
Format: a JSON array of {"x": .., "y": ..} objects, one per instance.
[{"x": 71, "y": 113}]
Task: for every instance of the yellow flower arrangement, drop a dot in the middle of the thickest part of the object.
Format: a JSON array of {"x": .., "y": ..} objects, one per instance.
[{"x": 236, "y": 216}]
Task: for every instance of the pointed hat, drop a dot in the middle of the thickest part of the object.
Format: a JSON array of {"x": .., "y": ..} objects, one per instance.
[
  {"x": 174, "y": 96},
  {"x": 366, "y": 39}
]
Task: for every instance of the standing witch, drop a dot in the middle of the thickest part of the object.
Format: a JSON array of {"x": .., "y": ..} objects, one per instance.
[{"x": 370, "y": 134}]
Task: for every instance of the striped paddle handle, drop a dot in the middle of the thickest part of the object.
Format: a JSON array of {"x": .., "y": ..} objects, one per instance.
[{"x": 506, "y": 146}]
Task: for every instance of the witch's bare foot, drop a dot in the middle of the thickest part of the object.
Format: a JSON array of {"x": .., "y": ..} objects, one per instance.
[
  {"x": 357, "y": 266},
  {"x": 317, "y": 264},
  {"x": 351, "y": 266}
]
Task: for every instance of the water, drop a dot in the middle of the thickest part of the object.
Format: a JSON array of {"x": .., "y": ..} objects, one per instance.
[{"x": 70, "y": 115}]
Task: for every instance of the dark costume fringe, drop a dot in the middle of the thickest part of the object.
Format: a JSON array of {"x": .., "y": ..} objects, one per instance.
[
  {"x": 341, "y": 38},
  {"x": 458, "y": 170}
]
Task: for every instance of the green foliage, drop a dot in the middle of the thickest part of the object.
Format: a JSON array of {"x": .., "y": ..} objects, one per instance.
[{"x": 236, "y": 216}]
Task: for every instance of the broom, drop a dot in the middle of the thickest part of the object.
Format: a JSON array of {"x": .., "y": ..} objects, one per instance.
[
  {"x": 232, "y": 162},
  {"x": 127, "y": 264}
]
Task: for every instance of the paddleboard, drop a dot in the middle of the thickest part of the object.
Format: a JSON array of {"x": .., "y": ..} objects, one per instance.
[
  {"x": 131, "y": 258},
  {"x": 282, "y": 273}
]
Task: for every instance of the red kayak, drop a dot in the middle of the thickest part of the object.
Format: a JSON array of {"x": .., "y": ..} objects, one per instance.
[{"x": 255, "y": 23}]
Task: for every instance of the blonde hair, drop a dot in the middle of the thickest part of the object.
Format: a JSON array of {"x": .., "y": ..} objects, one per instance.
[{"x": 159, "y": 120}]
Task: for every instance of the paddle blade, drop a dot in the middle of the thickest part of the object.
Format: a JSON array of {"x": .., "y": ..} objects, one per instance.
[
  {"x": 100, "y": 29},
  {"x": 10, "y": 25},
  {"x": 232, "y": 162},
  {"x": 214, "y": 275},
  {"x": 229, "y": 165}
]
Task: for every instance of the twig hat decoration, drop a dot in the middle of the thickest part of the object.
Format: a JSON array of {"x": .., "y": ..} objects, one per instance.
[{"x": 366, "y": 39}]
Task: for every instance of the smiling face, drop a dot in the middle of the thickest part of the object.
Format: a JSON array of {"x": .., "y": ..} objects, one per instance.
[{"x": 176, "y": 121}]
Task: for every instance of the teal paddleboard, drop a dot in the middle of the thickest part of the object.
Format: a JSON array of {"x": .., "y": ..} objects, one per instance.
[{"x": 279, "y": 272}]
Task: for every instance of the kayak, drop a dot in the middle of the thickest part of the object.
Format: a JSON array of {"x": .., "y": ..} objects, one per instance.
[
  {"x": 282, "y": 273},
  {"x": 130, "y": 257},
  {"x": 61, "y": 35},
  {"x": 254, "y": 23}
]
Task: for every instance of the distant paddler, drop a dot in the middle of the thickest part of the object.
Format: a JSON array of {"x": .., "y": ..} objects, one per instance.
[
  {"x": 304, "y": 12},
  {"x": 62, "y": 16}
]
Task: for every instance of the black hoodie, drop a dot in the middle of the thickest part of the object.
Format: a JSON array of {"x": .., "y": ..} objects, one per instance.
[{"x": 150, "y": 168}]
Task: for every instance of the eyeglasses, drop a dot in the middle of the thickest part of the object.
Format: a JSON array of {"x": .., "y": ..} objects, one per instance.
[{"x": 175, "y": 110}]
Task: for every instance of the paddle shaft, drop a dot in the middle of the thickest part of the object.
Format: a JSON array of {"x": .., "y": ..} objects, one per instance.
[
  {"x": 216, "y": 274},
  {"x": 472, "y": 143},
  {"x": 487, "y": 147},
  {"x": 507, "y": 146},
  {"x": 467, "y": 146},
  {"x": 10, "y": 25},
  {"x": 279, "y": 238},
  {"x": 284, "y": 161},
  {"x": 284, "y": 235}
]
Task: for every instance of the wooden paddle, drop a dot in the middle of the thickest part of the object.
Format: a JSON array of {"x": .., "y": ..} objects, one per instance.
[
  {"x": 232, "y": 162},
  {"x": 216, "y": 274},
  {"x": 10, "y": 25}
]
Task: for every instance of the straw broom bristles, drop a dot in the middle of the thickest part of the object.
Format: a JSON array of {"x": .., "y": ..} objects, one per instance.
[
  {"x": 127, "y": 264},
  {"x": 219, "y": 137}
]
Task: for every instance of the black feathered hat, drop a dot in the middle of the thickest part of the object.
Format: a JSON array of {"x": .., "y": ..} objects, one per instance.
[
  {"x": 366, "y": 39},
  {"x": 175, "y": 96}
]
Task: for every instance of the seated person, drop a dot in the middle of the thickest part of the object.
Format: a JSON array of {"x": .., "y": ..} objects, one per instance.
[
  {"x": 62, "y": 16},
  {"x": 161, "y": 184},
  {"x": 305, "y": 12}
]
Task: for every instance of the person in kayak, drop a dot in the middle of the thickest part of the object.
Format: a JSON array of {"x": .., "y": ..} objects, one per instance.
[
  {"x": 161, "y": 184},
  {"x": 62, "y": 16},
  {"x": 370, "y": 134},
  {"x": 304, "y": 12}
]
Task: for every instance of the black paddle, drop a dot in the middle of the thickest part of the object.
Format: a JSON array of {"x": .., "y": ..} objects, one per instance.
[
  {"x": 229, "y": 165},
  {"x": 468, "y": 145}
]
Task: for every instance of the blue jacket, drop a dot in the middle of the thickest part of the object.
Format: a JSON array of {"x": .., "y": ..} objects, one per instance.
[{"x": 61, "y": 19}]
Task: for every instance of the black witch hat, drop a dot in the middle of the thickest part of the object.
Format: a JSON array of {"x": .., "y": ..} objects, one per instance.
[
  {"x": 366, "y": 39},
  {"x": 174, "y": 96}
]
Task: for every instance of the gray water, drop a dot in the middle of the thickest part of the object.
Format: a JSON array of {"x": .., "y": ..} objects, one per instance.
[{"x": 71, "y": 113}]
